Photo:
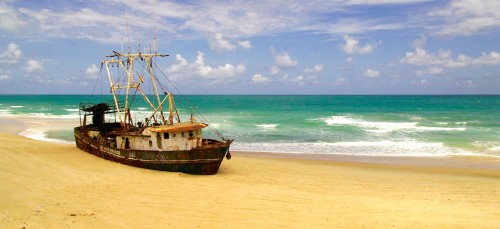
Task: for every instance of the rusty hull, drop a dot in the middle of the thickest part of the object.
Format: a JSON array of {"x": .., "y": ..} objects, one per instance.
[{"x": 203, "y": 160}]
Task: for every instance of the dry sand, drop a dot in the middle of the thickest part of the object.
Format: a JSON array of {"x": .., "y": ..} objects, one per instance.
[{"x": 48, "y": 185}]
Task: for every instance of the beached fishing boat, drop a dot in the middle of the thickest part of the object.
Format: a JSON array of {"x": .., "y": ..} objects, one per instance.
[{"x": 160, "y": 141}]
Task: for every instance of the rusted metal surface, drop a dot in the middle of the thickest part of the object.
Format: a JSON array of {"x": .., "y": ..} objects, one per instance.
[{"x": 203, "y": 160}]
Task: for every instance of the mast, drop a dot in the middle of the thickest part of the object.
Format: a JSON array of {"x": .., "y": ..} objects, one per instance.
[
  {"x": 128, "y": 34},
  {"x": 130, "y": 79},
  {"x": 114, "y": 87},
  {"x": 153, "y": 81},
  {"x": 170, "y": 108},
  {"x": 131, "y": 83}
]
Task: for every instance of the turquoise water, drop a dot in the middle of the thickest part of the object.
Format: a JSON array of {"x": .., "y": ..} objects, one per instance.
[{"x": 347, "y": 125}]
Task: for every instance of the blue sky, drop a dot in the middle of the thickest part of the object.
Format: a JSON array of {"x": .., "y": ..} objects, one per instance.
[{"x": 259, "y": 47}]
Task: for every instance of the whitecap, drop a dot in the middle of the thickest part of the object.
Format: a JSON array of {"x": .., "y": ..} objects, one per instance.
[
  {"x": 415, "y": 118},
  {"x": 51, "y": 116},
  {"x": 378, "y": 127},
  {"x": 267, "y": 126},
  {"x": 16, "y": 106},
  {"x": 383, "y": 126},
  {"x": 495, "y": 148},
  {"x": 215, "y": 125},
  {"x": 430, "y": 128}
]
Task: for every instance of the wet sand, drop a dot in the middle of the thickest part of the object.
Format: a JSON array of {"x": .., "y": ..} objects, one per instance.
[{"x": 49, "y": 185}]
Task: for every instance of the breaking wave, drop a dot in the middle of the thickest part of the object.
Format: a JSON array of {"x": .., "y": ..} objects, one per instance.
[
  {"x": 380, "y": 148},
  {"x": 383, "y": 126},
  {"x": 267, "y": 126}
]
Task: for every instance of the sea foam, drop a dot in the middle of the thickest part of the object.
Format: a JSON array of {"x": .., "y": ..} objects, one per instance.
[
  {"x": 381, "y": 148},
  {"x": 382, "y": 126},
  {"x": 41, "y": 135},
  {"x": 267, "y": 126}
]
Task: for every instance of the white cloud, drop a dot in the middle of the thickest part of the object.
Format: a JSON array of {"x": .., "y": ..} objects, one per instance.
[
  {"x": 285, "y": 77},
  {"x": 419, "y": 43},
  {"x": 371, "y": 73},
  {"x": 198, "y": 68},
  {"x": 10, "y": 19},
  {"x": 84, "y": 24},
  {"x": 92, "y": 70},
  {"x": 33, "y": 66},
  {"x": 11, "y": 55},
  {"x": 274, "y": 70},
  {"x": 240, "y": 19},
  {"x": 179, "y": 66},
  {"x": 207, "y": 71},
  {"x": 298, "y": 78},
  {"x": 284, "y": 61},
  {"x": 422, "y": 57},
  {"x": 220, "y": 23},
  {"x": 258, "y": 78},
  {"x": 461, "y": 62},
  {"x": 317, "y": 68},
  {"x": 466, "y": 17},
  {"x": 433, "y": 70},
  {"x": 339, "y": 81},
  {"x": 4, "y": 77},
  {"x": 352, "y": 46},
  {"x": 444, "y": 59},
  {"x": 377, "y": 2},
  {"x": 354, "y": 26},
  {"x": 179, "y": 19},
  {"x": 219, "y": 43},
  {"x": 492, "y": 58},
  {"x": 245, "y": 44},
  {"x": 436, "y": 70},
  {"x": 420, "y": 82}
]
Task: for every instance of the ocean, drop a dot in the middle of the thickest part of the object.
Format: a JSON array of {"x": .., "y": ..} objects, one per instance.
[{"x": 403, "y": 126}]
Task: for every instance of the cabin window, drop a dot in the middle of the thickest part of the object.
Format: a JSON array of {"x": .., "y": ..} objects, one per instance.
[
  {"x": 150, "y": 143},
  {"x": 174, "y": 135},
  {"x": 182, "y": 134},
  {"x": 191, "y": 134},
  {"x": 166, "y": 136}
]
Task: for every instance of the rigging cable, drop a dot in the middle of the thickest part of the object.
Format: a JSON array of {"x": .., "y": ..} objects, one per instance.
[
  {"x": 95, "y": 83},
  {"x": 189, "y": 105}
]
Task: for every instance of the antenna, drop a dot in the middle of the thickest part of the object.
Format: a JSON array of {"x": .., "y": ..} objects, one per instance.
[
  {"x": 128, "y": 34},
  {"x": 122, "y": 43},
  {"x": 155, "y": 39}
]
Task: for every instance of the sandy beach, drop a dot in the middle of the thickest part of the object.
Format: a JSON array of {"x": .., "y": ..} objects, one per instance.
[{"x": 49, "y": 185}]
